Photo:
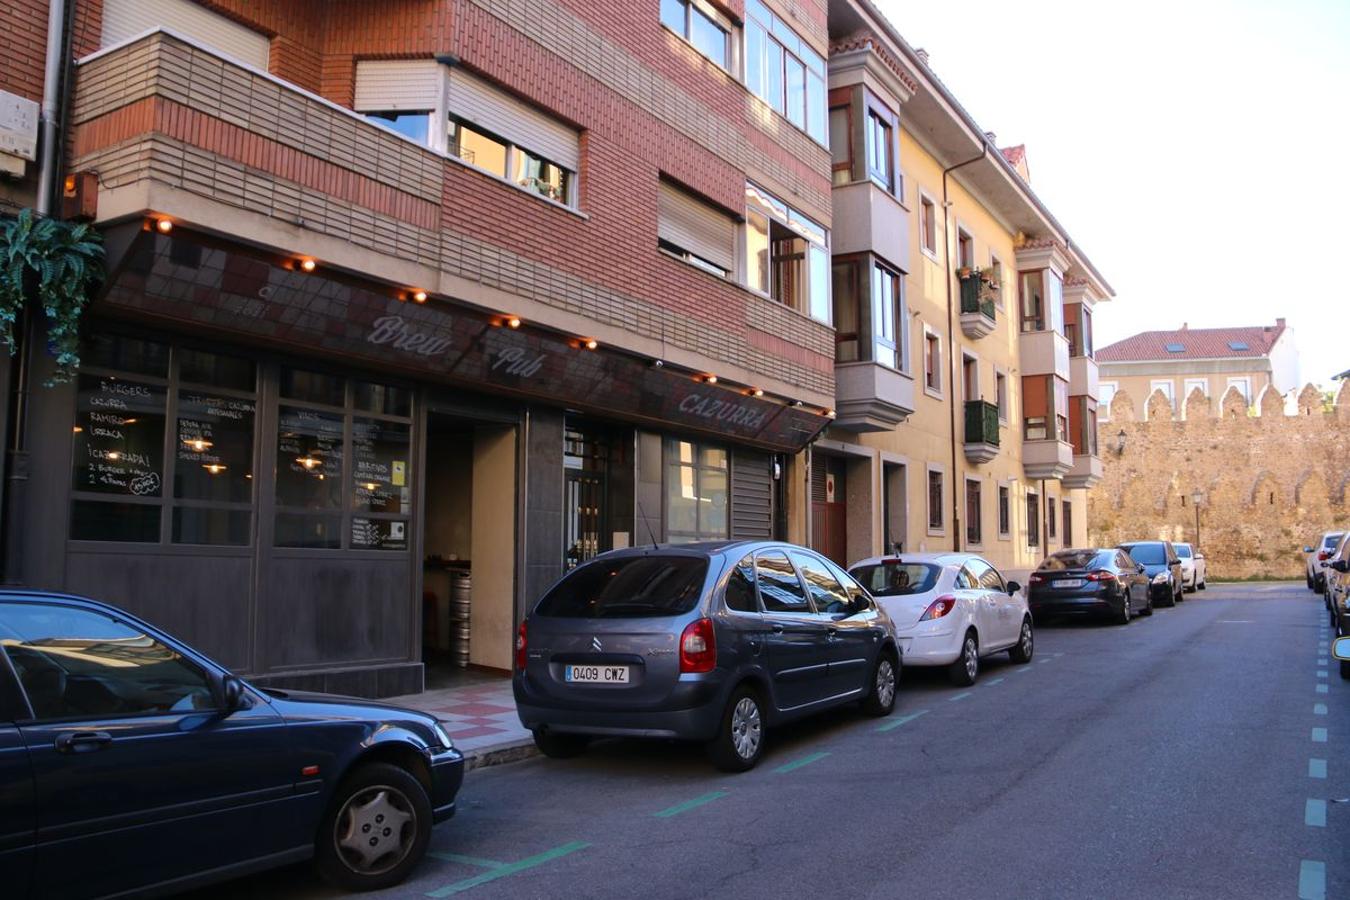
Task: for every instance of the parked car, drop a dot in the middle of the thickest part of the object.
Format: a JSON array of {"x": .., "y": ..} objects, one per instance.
[
  {"x": 1315, "y": 557},
  {"x": 1102, "y": 583},
  {"x": 1193, "y": 569},
  {"x": 711, "y": 642},
  {"x": 129, "y": 763},
  {"x": 1336, "y": 588},
  {"x": 1162, "y": 566},
  {"x": 950, "y": 609}
]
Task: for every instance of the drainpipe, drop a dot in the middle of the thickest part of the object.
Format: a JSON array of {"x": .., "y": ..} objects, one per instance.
[
  {"x": 16, "y": 488},
  {"x": 957, "y": 539}
]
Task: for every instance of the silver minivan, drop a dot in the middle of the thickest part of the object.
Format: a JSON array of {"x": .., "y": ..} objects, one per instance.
[{"x": 710, "y": 642}]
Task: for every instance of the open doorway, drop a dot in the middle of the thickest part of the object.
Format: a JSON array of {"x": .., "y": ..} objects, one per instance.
[{"x": 468, "y": 581}]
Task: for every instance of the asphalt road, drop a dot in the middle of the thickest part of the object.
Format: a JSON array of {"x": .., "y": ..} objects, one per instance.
[{"x": 1174, "y": 757}]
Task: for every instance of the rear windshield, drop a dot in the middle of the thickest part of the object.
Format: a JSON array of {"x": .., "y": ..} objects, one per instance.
[
  {"x": 1076, "y": 559},
  {"x": 893, "y": 578},
  {"x": 636, "y": 587},
  {"x": 1330, "y": 541},
  {"x": 1147, "y": 554},
  {"x": 1183, "y": 550}
]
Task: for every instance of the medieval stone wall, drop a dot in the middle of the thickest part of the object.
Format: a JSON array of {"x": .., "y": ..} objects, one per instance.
[{"x": 1270, "y": 482}]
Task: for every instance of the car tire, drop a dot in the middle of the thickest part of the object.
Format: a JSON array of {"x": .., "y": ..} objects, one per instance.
[
  {"x": 1171, "y": 600},
  {"x": 1022, "y": 651},
  {"x": 556, "y": 745},
  {"x": 966, "y": 668},
  {"x": 377, "y": 809},
  {"x": 1345, "y": 670},
  {"x": 1200, "y": 586},
  {"x": 1123, "y": 617},
  {"x": 740, "y": 738},
  {"x": 1309, "y": 580},
  {"x": 885, "y": 682},
  {"x": 1180, "y": 594}
]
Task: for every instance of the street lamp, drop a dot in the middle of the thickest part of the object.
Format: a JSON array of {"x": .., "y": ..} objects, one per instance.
[
  {"x": 1196, "y": 499},
  {"x": 1120, "y": 442}
]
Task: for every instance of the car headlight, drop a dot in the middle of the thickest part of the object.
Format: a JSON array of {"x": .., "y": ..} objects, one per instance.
[
  {"x": 439, "y": 731},
  {"x": 1160, "y": 578}
]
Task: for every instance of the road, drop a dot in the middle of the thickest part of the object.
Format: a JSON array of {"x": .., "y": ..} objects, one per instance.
[{"x": 1174, "y": 757}]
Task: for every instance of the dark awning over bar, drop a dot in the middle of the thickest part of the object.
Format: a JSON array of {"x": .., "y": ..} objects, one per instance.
[{"x": 204, "y": 285}]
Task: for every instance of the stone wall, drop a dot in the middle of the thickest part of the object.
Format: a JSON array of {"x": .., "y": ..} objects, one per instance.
[{"x": 1269, "y": 482}]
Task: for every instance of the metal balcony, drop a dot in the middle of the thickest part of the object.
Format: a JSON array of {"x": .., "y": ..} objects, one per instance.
[
  {"x": 978, "y": 316},
  {"x": 981, "y": 431}
]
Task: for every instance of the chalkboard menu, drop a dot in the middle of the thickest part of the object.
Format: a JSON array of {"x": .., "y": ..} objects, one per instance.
[
  {"x": 309, "y": 458},
  {"x": 381, "y": 480},
  {"x": 119, "y": 437},
  {"x": 214, "y": 450}
]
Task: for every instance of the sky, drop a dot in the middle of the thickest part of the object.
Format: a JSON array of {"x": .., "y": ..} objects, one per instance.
[{"x": 1197, "y": 151}]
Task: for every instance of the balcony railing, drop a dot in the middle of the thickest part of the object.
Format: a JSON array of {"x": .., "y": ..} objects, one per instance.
[
  {"x": 981, "y": 431},
  {"x": 978, "y": 292}
]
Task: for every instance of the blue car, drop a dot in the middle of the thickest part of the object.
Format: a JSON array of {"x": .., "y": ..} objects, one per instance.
[{"x": 130, "y": 764}]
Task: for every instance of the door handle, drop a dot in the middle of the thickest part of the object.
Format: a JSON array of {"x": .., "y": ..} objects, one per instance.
[
  {"x": 777, "y": 629},
  {"x": 82, "y": 741},
  {"x": 833, "y": 633}
]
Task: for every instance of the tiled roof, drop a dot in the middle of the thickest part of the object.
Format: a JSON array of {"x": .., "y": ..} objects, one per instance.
[
  {"x": 1016, "y": 154},
  {"x": 863, "y": 39},
  {"x": 1196, "y": 343}
]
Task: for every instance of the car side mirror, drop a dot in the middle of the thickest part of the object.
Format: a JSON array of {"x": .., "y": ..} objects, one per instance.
[
  {"x": 1340, "y": 648},
  {"x": 1139, "y": 567},
  {"x": 1013, "y": 588},
  {"x": 231, "y": 693},
  {"x": 1307, "y": 549},
  {"x": 1340, "y": 565}
]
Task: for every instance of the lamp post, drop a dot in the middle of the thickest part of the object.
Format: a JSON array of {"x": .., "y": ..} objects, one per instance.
[
  {"x": 1120, "y": 442},
  {"x": 1196, "y": 499}
]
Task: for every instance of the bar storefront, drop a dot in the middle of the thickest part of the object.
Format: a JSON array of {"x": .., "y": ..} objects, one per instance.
[{"x": 327, "y": 484}]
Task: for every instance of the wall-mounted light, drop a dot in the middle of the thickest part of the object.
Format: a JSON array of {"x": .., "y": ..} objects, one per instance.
[
  {"x": 419, "y": 296},
  {"x": 164, "y": 226},
  {"x": 307, "y": 265},
  {"x": 1120, "y": 442}
]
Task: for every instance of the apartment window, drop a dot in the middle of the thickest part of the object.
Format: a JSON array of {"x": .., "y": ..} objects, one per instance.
[
  {"x": 1078, "y": 329},
  {"x": 1085, "y": 327},
  {"x": 1033, "y": 519},
  {"x": 932, "y": 362},
  {"x": 928, "y": 224},
  {"x": 787, "y": 254},
  {"x": 695, "y": 231},
  {"x": 1083, "y": 425},
  {"x": 841, "y": 144},
  {"x": 1056, "y": 294},
  {"x": 1004, "y": 511},
  {"x": 1106, "y": 392},
  {"x": 783, "y": 71},
  {"x": 973, "y": 512},
  {"x": 970, "y": 378},
  {"x": 701, "y": 26},
  {"x": 996, "y": 272},
  {"x": 1032, "y": 295},
  {"x": 1050, "y": 517},
  {"x": 880, "y": 151},
  {"x": 1045, "y": 408},
  {"x": 696, "y": 492},
  {"x": 125, "y": 19},
  {"x": 965, "y": 249},
  {"x": 887, "y": 310},
  {"x": 1068, "y": 523},
  {"x": 934, "y": 500},
  {"x": 1001, "y": 390},
  {"x": 414, "y": 124},
  {"x": 869, "y": 312}
]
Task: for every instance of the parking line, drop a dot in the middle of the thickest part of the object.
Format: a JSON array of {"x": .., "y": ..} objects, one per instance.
[
  {"x": 689, "y": 804},
  {"x": 1045, "y": 659},
  {"x": 1322, "y": 661},
  {"x": 1315, "y": 813},
  {"x": 961, "y": 696},
  {"x": 902, "y": 720},
  {"x": 1321, "y": 673},
  {"x": 1317, "y": 768},
  {"x": 992, "y": 683},
  {"x": 1319, "y": 735},
  {"x": 508, "y": 869},
  {"x": 1321, "y": 689},
  {"x": 1312, "y": 880},
  {"x": 1319, "y": 709},
  {"x": 1023, "y": 670},
  {"x": 804, "y": 761},
  {"x": 466, "y": 860}
]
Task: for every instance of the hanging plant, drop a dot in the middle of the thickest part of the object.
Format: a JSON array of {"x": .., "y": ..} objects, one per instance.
[{"x": 62, "y": 262}]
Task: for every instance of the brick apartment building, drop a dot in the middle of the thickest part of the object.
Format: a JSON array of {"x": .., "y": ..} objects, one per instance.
[{"x": 411, "y": 305}]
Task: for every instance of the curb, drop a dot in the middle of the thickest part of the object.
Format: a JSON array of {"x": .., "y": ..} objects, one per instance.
[{"x": 513, "y": 751}]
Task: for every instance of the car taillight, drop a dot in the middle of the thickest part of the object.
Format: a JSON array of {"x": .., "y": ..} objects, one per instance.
[
  {"x": 1323, "y": 555},
  {"x": 698, "y": 647},
  {"x": 1036, "y": 579},
  {"x": 939, "y": 608},
  {"x": 1101, "y": 575},
  {"x": 521, "y": 642}
]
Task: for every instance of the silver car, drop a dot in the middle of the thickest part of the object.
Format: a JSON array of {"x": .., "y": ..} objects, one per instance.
[{"x": 711, "y": 642}]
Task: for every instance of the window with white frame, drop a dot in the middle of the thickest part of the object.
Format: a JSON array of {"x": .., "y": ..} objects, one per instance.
[
  {"x": 935, "y": 510},
  {"x": 783, "y": 71},
  {"x": 1001, "y": 391},
  {"x": 695, "y": 231},
  {"x": 1106, "y": 392},
  {"x": 1244, "y": 386},
  {"x": 928, "y": 224},
  {"x": 1191, "y": 384},
  {"x": 787, "y": 254},
  {"x": 698, "y": 23},
  {"x": 1004, "y": 511},
  {"x": 1168, "y": 390},
  {"x": 996, "y": 273},
  {"x": 974, "y": 512},
  {"x": 932, "y": 362}
]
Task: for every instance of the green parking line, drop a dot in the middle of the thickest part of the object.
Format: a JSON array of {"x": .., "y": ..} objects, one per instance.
[
  {"x": 804, "y": 761},
  {"x": 961, "y": 696},
  {"x": 900, "y": 721},
  {"x": 689, "y": 804},
  {"x": 508, "y": 869},
  {"x": 992, "y": 683},
  {"x": 467, "y": 860}
]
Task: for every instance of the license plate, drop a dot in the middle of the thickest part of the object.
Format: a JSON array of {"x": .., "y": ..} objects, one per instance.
[
  {"x": 596, "y": 674},
  {"x": 1069, "y": 583}
]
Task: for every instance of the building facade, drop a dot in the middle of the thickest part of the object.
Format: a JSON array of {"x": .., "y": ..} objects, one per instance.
[{"x": 411, "y": 306}]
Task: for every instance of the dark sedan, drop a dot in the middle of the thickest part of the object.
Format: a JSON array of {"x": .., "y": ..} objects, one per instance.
[
  {"x": 130, "y": 764},
  {"x": 1163, "y": 568},
  {"x": 1102, "y": 583}
]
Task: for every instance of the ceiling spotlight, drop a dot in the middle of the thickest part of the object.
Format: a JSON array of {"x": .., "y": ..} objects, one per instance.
[
  {"x": 658, "y": 363},
  {"x": 710, "y": 379},
  {"x": 307, "y": 265},
  {"x": 829, "y": 414},
  {"x": 590, "y": 343},
  {"x": 757, "y": 392},
  {"x": 214, "y": 468},
  {"x": 796, "y": 404},
  {"x": 164, "y": 226},
  {"x": 309, "y": 462},
  {"x": 513, "y": 322},
  {"x": 420, "y": 296},
  {"x": 198, "y": 444}
]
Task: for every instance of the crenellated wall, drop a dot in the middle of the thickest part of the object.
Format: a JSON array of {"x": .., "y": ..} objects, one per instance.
[{"x": 1270, "y": 482}]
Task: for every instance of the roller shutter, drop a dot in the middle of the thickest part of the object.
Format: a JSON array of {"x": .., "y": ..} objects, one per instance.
[
  {"x": 389, "y": 85},
  {"x": 751, "y": 495},
  {"x": 494, "y": 110},
  {"x": 693, "y": 225},
  {"x": 124, "y": 19}
]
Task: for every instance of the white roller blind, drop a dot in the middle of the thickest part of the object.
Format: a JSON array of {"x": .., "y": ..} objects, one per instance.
[
  {"x": 123, "y": 19},
  {"x": 398, "y": 84},
  {"x": 693, "y": 225},
  {"x": 492, "y": 109}
]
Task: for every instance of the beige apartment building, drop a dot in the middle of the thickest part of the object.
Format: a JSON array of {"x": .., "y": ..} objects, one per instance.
[{"x": 1251, "y": 360}]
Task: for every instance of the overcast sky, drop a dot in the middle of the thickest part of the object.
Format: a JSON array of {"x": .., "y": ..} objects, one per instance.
[{"x": 1196, "y": 150}]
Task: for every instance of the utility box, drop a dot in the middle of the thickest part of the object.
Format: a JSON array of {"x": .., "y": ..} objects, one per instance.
[{"x": 18, "y": 132}]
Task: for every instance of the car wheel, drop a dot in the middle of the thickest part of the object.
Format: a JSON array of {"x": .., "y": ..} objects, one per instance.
[
  {"x": 1180, "y": 592},
  {"x": 967, "y": 666},
  {"x": 1345, "y": 670},
  {"x": 1123, "y": 617},
  {"x": 1310, "y": 581},
  {"x": 375, "y": 830},
  {"x": 1026, "y": 644},
  {"x": 740, "y": 740},
  {"x": 560, "y": 746},
  {"x": 1200, "y": 586},
  {"x": 885, "y": 680}
]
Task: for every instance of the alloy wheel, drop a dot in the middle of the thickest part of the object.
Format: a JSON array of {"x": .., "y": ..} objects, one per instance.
[
  {"x": 885, "y": 686},
  {"x": 746, "y": 728},
  {"x": 1025, "y": 640},
  {"x": 375, "y": 830},
  {"x": 972, "y": 658}
]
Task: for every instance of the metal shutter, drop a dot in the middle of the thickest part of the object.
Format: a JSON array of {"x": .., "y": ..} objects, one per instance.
[
  {"x": 494, "y": 110},
  {"x": 751, "y": 495},
  {"x": 695, "y": 226},
  {"x": 124, "y": 19},
  {"x": 387, "y": 85}
]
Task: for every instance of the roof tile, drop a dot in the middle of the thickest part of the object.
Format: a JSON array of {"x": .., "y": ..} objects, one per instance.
[{"x": 1199, "y": 343}]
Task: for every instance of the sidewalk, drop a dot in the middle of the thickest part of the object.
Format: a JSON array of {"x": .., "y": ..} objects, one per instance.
[{"x": 480, "y": 717}]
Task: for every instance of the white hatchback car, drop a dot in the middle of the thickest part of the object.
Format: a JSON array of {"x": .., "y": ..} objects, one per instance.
[
  {"x": 1193, "y": 569},
  {"x": 949, "y": 609}
]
